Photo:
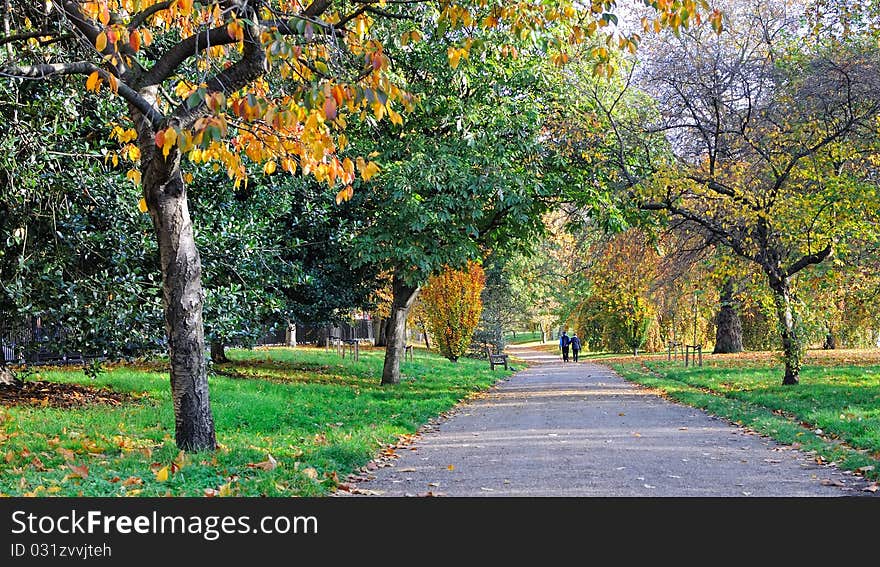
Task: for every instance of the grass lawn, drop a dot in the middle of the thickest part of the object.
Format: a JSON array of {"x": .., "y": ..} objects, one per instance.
[
  {"x": 318, "y": 416},
  {"x": 834, "y": 411},
  {"x": 524, "y": 337}
]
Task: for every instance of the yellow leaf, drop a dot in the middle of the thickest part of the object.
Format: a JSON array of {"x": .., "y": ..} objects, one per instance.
[
  {"x": 135, "y": 177},
  {"x": 369, "y": 171},
  {"x": 162, "y": 474},
  {"x": 269, "y": 168},
  {"x": 142, "y": 204},
  {"x": 345, "y": 194},
  {"x": 168, "y": 141},
  {"x": 101, "y": 41},
  {"x": 225, "y": 490},
  {"x": 93, "y": 81}
]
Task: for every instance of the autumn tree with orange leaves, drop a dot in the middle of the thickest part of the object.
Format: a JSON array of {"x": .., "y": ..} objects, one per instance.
[
  {"x": 452, "y": 307},
  {"x": 254, "y": 87}
]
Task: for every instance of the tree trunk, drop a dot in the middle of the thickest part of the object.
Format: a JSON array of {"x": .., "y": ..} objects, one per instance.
[
  {"x": 403, "y": 296},
  {"x": 7, "y": 377},
  {"x": 165, "y": 194},
  {"x": 290, "y": 334},
  {"x": 379, "y": 331},
  {"x": 218, "y": 352},
  {"x": 830, "y": 339},
  {"x": 728, "y": 326},
  {"x": 425, "y": 334},
  {"x": 323, "y": 337},
  {"x": 791, "y": 346}
]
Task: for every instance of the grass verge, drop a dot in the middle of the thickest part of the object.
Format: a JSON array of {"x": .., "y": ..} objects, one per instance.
[
  {"x": 834, "y": 411},
  {"x": 291, "y": 422}
]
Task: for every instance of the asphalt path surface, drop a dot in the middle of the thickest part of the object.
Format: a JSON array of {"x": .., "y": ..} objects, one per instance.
[{"x": 579, "y": 429}]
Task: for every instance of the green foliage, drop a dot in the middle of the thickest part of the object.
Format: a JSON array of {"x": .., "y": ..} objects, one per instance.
[
  {"x": 307, "y": 408},
  {"x": 463, "y": 172}
]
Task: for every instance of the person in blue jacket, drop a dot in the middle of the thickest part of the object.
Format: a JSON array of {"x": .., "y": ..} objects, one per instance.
[
  {"x": 575, "y": 344},
  {"x": 564, "y": 342}
]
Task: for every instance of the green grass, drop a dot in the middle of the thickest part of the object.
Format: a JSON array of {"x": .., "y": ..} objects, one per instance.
[
  {"x": 841, "y": 400},
  {"x": 319, "y": 416},
  {"x": 521, "y": 338}
]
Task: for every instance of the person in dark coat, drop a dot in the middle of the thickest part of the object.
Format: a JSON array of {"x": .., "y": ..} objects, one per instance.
[
  {"x": 575, "y": 344},
  {"x": 564, "y": 342}
]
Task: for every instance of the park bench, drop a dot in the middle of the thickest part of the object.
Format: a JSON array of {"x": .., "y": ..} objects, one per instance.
[{"x": 497, "y": 359}]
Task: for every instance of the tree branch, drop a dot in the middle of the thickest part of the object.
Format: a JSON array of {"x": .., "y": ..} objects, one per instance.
[
  {"x": 143, "y": 15},
  {"x": 809, "y": 260},
  {"x": 49, "y": 70}
]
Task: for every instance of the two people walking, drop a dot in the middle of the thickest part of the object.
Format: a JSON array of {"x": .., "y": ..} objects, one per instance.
[{"x": 566, "y": 343}]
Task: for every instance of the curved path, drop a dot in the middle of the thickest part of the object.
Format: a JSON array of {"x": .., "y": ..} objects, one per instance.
[{"x": 580, "y": 430}]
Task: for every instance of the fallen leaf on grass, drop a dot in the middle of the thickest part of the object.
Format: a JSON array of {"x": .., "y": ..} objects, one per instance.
[
  {"x": 310, "y": 472},
  {"x": 66, "y": 453},
  {"x": 270, "y": 464},
  {"x": 162, "y": 474},
  {"x": 865, "y": 469},
  {"x": 78, "y": 471}
]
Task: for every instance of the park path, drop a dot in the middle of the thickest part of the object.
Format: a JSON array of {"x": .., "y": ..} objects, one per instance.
[{"x": 579, "y": 429}]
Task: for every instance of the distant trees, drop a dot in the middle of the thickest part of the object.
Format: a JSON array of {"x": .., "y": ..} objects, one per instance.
[{"x": 767, "y": 146}]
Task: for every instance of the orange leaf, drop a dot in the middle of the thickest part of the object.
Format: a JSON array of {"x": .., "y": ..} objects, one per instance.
[
  {"x": 134, "y": 40},
  {"x": 330, "y": 108},
  {"x": 101, "y": 41},
  {"x": 162, "y": 474},
  {"x": 78, "y": 471},
  {"x": 345, "y": 194},
  {"x": 93, "y": 82}
]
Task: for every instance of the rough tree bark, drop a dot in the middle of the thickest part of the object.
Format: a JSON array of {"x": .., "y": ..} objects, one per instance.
[
  {"x": 403, "y": 296},
  {"x": 218, "y": 352},
  {"x": 728, "y": 326},
  {"x": 791, "y": 346},
  {"x": 165, "y": 193}
]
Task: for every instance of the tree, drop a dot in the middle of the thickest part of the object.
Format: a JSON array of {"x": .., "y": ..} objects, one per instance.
[
  {"x": 238, "y": 83},
  {"x": 452, "y": 308},
  {"x": 460, "y": 176},
  {"x": 769, "y": 145},
  {"x": 619, "y": 304}
]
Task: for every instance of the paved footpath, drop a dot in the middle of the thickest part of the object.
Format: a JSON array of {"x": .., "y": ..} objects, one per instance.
[{"x": 580, "y": 430}]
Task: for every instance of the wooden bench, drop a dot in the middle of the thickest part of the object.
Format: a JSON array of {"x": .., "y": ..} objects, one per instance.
[{"x": 496, "y": 359}]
